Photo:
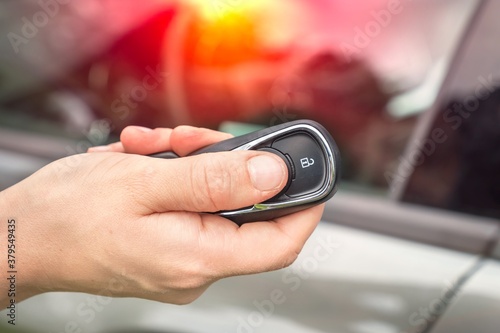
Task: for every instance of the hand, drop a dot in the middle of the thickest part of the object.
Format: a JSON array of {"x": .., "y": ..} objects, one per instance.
[{"x": 132, "y": 226}]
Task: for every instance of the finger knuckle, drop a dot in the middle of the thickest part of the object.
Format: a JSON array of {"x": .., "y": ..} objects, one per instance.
[
  {"x": 212, "y": 184},
  {"x": 186, "y": 283},
  {"x": 190, "y": 282},
  {"x": 290, "y": 253},
  {"x": 186, "y": 299}
]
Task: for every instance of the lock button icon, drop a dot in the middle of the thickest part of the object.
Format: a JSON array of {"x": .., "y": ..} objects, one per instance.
[{"x": 306, "y": 162}]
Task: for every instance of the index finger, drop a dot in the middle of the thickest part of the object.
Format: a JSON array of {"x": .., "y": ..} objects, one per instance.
[
  {"x": 143, "y": 141},
  {"x": 182, "y": 140}
]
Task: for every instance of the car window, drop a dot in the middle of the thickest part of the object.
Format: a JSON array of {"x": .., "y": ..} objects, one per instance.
[
  {"x": 456, "y": 165},
  {"x": 356, "y": 68}
]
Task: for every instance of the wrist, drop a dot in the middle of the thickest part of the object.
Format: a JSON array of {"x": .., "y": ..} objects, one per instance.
[{"x": 17, "y": 277}]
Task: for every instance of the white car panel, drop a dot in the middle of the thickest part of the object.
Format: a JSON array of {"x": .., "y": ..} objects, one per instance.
[
  {"x": 476, "y": 309},
  {"x": 345, "y": 280}
]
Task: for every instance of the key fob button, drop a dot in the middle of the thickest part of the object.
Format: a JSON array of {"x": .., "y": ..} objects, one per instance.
[{"x": 308, "y": 163}]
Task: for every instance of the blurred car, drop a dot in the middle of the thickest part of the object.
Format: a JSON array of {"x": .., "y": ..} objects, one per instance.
[{"x": 410, "y": 90}]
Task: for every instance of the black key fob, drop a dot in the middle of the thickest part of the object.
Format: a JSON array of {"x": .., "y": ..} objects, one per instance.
[{"x": 313, "y": 162}]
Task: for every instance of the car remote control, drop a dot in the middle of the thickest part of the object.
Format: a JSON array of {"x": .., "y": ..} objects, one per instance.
[{"x": 313, "y": 162}]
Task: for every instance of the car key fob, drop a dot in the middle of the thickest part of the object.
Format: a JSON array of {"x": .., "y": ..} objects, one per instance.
[{"x": 313, "y": 162}]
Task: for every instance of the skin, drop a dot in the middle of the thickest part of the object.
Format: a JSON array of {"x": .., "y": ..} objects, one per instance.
[{"x": 116, "y": 223}]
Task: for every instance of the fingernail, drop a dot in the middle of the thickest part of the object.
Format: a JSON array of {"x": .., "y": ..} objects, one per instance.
[
  {"x": 266, "y": 172},
  {"x": 143, "y": 129},
  {"x": 100, "y": 149}
]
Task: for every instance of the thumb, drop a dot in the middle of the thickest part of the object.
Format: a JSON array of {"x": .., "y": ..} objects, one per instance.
[{"x": 214, "y": 182}]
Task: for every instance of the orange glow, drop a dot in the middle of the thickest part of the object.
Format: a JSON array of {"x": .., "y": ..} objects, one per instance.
[
  {"x": 224, "y": 33},
  {"x": 223, "y": 10}
]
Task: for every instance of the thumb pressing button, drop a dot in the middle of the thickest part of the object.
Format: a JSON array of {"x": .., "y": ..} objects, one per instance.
[{"x": 266, "y": 173}]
